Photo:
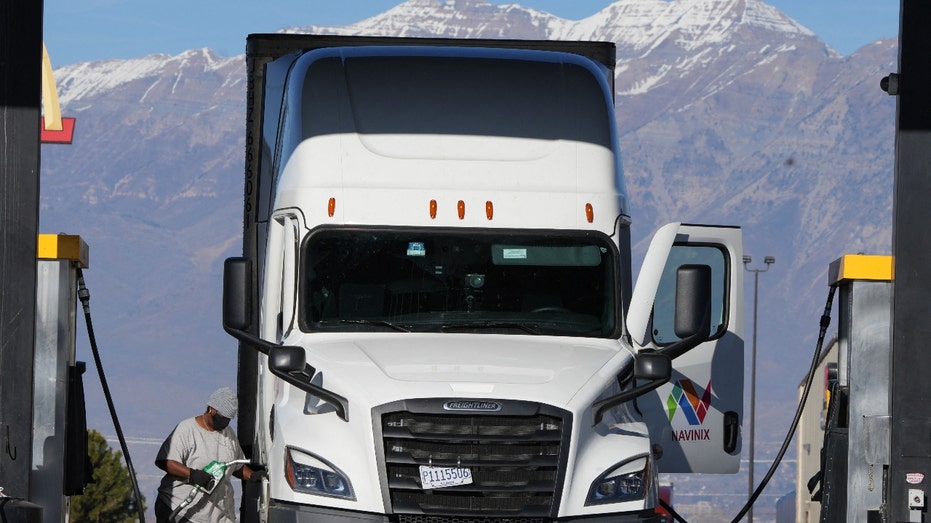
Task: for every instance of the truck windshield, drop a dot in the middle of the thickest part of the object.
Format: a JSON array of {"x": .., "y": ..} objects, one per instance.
[{"x": 459, "y": 281}]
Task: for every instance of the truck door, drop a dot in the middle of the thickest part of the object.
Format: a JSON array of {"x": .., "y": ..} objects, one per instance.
[{"x": 695, "y": 418}]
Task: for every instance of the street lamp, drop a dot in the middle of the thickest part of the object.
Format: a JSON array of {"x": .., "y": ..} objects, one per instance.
[{"x": 768, "y": 260}]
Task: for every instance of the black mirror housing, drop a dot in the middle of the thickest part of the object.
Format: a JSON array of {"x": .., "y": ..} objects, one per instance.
[
  {"x": 654, "y": 366},
  {"x": 286, "y": 359},
  {"x": 693, "y": 309},
  {"x": 237, "y": 295},
  {"x": 693, "y": 301}
]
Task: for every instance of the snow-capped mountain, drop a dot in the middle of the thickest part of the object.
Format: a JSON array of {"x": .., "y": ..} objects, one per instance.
[{"x": 730, "y": 112}]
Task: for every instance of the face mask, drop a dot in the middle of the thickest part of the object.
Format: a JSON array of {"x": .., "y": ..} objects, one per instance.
[{"x": 220, "y": 422}]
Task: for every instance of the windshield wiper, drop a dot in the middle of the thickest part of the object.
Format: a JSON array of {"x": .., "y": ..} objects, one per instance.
[
  {"x": 382, "y": 323},
  {"x": 529, "y": 329}
]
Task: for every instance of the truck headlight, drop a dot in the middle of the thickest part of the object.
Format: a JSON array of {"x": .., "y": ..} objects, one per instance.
[
  {"x": 310, "y": 474},
  {"x": 628, "y": 481}
]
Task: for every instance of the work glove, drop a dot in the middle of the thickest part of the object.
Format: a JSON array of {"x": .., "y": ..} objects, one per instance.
[
  {"x": 200, "y": 478},
  {"x": 256, "y": 476}
]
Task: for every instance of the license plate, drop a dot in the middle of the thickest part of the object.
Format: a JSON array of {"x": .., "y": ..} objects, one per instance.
[{"x": 441, "y": 477}]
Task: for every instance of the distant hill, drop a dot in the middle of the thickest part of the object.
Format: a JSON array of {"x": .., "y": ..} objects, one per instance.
[{"x": 729, "y": 111}]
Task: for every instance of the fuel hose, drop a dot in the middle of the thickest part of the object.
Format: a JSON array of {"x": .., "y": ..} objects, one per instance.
[{"x": 85, "y": 297}]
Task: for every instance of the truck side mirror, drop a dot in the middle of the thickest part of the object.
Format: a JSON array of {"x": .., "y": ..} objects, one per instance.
[
  {"x": 693, "y": 301},
  {"x": 286, "y": 359},
  {"x": 237, "y": 298},
  {"x": 693, "y": 309},
  {"x": 654, "y": 366},
  {"x": 692, "y": 326},
  {"x": 290, "y": 364},
  {"x": 237, "y": 303},
  {"x": 286, "y": 362}
]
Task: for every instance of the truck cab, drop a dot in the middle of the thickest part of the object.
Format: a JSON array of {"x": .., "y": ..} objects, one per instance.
[{"x": 435, "y": 304}]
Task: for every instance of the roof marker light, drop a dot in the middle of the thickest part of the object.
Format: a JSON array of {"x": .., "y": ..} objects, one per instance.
[
  {"x": 461, "y": 207},
  {"x": 433, "y": 209},
  {"x": 489, "y": 210},
  {"x": 589, "y": 213},
  {"x": 331, "y": 207}
]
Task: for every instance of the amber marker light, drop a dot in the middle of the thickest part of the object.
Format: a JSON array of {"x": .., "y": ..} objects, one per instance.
[
  {"x": 589, "y": 213},
  {"x": 433, "y": 209},
  {"x": 461, "y": 207},
  {"x": 489, "y": 210},
  {"x": 331, "y": 207}
]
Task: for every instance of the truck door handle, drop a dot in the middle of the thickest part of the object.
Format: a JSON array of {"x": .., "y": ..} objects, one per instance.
[{"x": 731, "y": 431}]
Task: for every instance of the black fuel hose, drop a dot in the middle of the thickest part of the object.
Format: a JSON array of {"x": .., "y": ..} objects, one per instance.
[
  {"x": 85, "y": 296},
  {"x": 825, "y": 322}
]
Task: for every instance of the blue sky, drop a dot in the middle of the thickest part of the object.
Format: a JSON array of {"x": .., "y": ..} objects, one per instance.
[{"x": 83, "y": 30}]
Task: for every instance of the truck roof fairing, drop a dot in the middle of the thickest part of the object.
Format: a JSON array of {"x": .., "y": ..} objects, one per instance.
[{"x": 498, "y": 106}]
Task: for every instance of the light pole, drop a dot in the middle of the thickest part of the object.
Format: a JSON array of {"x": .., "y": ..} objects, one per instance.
[{"x": 768, "y": 260}]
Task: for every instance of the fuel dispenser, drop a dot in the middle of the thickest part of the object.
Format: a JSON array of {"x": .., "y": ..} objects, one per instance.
[
  {"x": 856, "y": 451},
  {"x": 59, "y": 423}
]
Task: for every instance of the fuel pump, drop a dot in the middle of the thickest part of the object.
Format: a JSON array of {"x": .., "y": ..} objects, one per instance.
[{"x": 59, "y": 425}]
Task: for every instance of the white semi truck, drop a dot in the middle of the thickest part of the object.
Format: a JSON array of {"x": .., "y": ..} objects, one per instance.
[{"x": 435, "y": 307}]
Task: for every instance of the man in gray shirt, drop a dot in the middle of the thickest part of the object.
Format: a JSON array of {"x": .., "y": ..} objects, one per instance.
[{"x": 191, "y": 446}]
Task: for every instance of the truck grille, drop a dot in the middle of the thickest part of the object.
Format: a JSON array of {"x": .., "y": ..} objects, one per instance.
[{"x": 516, "y": 457}]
